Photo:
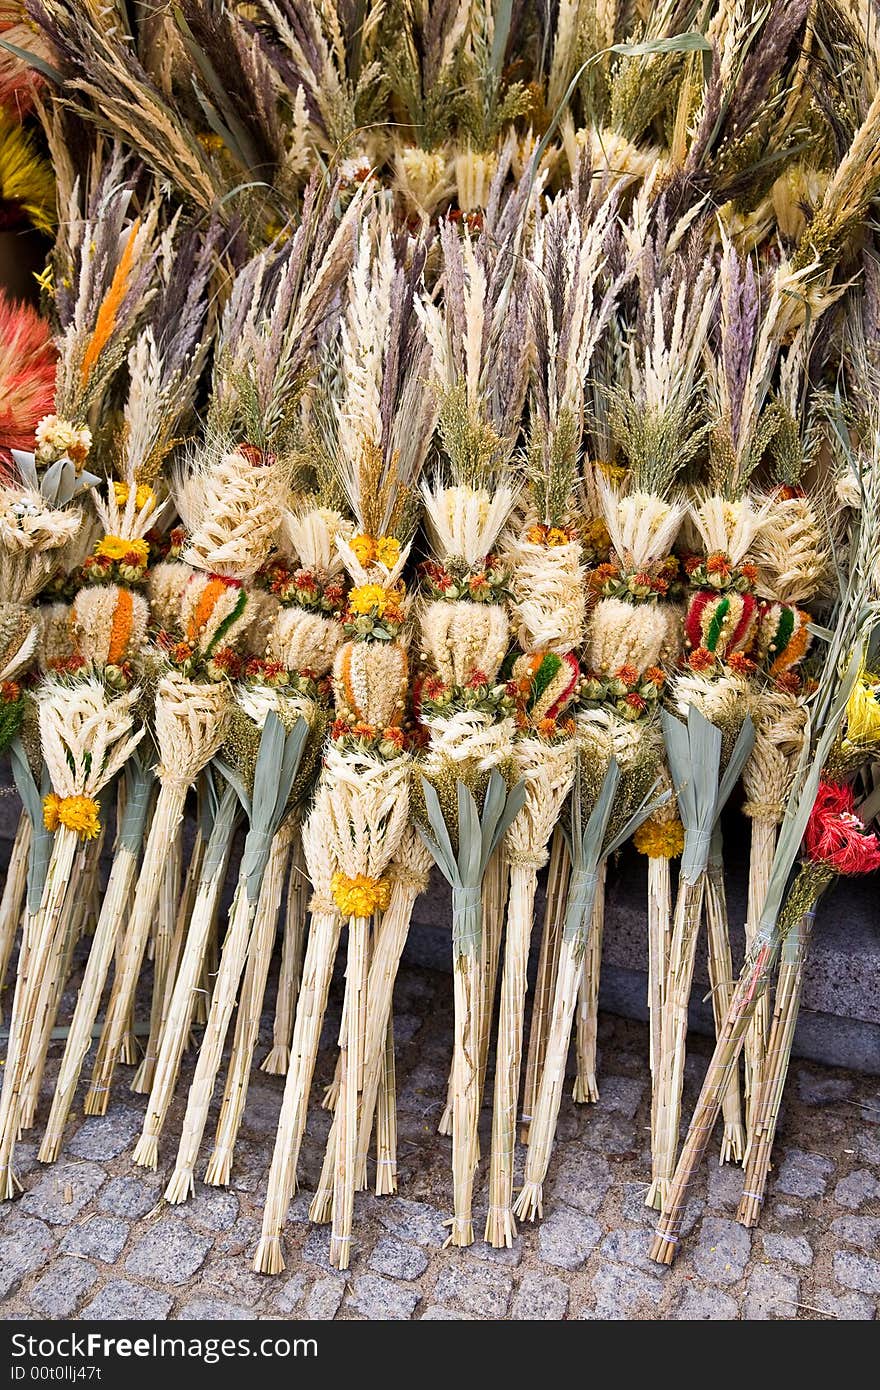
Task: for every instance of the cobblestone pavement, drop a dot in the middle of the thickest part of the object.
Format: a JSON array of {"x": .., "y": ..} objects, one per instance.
[{"x": 91, "y": 1238}]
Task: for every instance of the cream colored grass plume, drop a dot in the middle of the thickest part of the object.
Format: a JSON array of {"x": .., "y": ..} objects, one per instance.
[{"x": 87, "y": 737}]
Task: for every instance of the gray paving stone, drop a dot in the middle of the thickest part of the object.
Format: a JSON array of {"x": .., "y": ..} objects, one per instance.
[
  {"x": 770, "y": 1294},
  {"x": 63, "y": 1288},
  {"x": 621, "y": 1093},
  {"x": 804, "y": 1174},
  {"x": 437, "y": 1313},
  {"x": 784, "y": 1212},
  {"x": 214, "y": 1309},
  {"x": 582, "y": 1179},
  {"x": 63, "y": 1192},
  {"x": 214, "y": 1208},
  {"x": 398, "y": 1259},
  {"x": 793, "y": 1250},
  {"x": 324, "y": 1299},
  {"x": 725, "y": 1186},
  {"x": 129, "y": 1197},
  {"x": 822, "y": 1090},
  {"x": 414, "y": 1221},
  {"x": 235, "y": 1279},
  {"x": 381, "y": 1299},
  {"x": 121, "y": 1300},
  {"x": 170, "y": 1252},
  {"x": 852, "y": 1307},
  {"x": 622, "y": 1292},
  {"x": 608, "y": 1134},
  {"x": 101, "y": 1137},
  {"x": 241, "y": 1238},
  {"x": 317, "y": 1249},
  {"x": 629, "y": 1246},
  {"x": 861, "y": 1231},
  {"x": 704, "y": 1305},
  {"x": 633, "y": 1208},
  {"x": 566, "y": 1237},
  {"x": 540, "y": 1297},
  {"x": 859, "y": 1187},
  {"x": 100, "y": 1238},
  {"x": 509, "y": 1255},
  {"x": 483, "y": 1291},
  {"x": 857, "y": 1271},
  {"x": 722, "y": 1251},
  {"x": 868, "y": 1146},
  {"x": 25, "y": 1246},
  {"x": 291, "y": 1294}
]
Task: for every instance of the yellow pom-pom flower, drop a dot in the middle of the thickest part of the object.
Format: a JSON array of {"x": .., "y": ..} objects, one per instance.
[
  {"x": 144, "y": 496},
  {"x": 81, "y": 814},
  {"x": 118, "y": 548},
  {"x": 863, "y": 710},
  {"x": 660, "y": 839},
  {"x": 50, "y": 812},
  {"x": 369, "y": 598},
  {"x": 388, "y": 551},
  {"x": 364, "y": 548},
  {"x": 361, "y": 895}
]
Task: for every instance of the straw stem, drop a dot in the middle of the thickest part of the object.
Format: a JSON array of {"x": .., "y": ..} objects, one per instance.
[
  {"x": 500, "y": 1225},
  {"x": 317, "y": 969},
  {"x": 586, "y": 1087},
  {"x": 163, "y": 829}
]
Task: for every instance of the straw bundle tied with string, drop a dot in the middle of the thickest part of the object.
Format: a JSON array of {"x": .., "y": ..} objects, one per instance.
[
  {"x": 260, "y": 703},
  {"x": 377, "y": 461},
  {"x": 178, "y": 1014},
  {"x": 409, "y": 877},
  {"x": 265, "y": 803},
  {"x": 614, "y": 792},
  {"x": 323, "y": 939},
  {"x": 478, "y": 831},
  {"x": 785, "y": 906},
  {"x": 189, "y": 726},
  {"x": 86, "y": 737},
  {"x": 479, "y": 338},
  {"x": 694, "y": 750}
]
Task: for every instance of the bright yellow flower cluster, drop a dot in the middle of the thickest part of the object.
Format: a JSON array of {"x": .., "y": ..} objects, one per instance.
[
  {"x": 370, "y": 598},
  {"x": 863, "y": 710},
  {"x": 144, "y": 496},
  {"x": 118, "y": 547},
  {"x": 370, "y": 549},
  {"x": 660, "y": 839},
  {"x": 360, "y": 896},
  {"x": 78, "y": 813}
]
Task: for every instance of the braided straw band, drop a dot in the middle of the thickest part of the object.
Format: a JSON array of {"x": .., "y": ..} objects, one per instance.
[
  {"x": 78, "y": 813},
  {"x": 360, "y": 896}
]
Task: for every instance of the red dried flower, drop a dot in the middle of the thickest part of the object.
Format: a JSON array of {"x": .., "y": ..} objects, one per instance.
[
  {"x": 636, "y": 702},
  {"x": 654, "y": 675},
  {"x": 627, "y": 675},
  {"x": 701, "y": 659},
  {"x": 10, "y": 691},
  {"x": 717, "y": 564},
  {"x": 741, "y": 665},
  {"x": 477, "y": 678},
  {"x": 835, "y": 836}
]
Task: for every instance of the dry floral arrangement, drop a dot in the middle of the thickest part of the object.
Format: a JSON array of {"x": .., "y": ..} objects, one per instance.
[{"x": 447, "y": 439}]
